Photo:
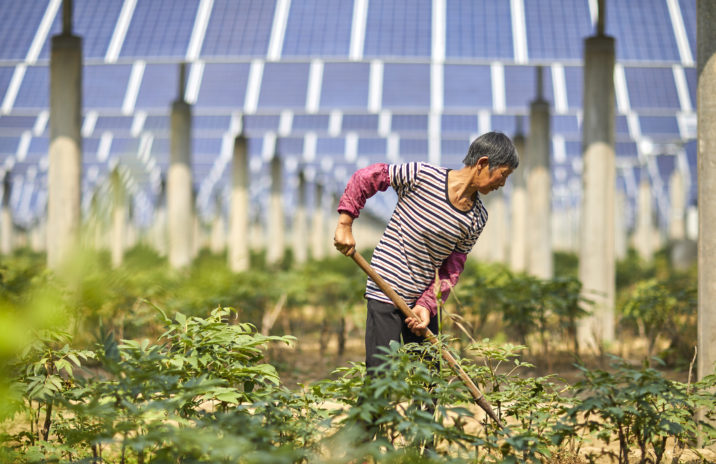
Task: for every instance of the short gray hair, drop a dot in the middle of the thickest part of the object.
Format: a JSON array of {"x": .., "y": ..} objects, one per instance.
[{"x": 498, "y": 148}]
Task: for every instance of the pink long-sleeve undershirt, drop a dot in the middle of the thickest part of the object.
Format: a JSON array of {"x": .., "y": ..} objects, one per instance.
[
  {"x": 449, "y": 273},
  {"x": 363, "y": 184}
]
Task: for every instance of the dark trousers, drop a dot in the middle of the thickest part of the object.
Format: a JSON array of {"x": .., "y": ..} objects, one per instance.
[{"x": 385, "y": 323}]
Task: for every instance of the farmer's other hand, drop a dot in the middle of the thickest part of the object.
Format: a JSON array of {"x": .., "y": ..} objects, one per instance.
[
  {"x": 343, "y": 238},
  {"x": 419, "y": 326}
]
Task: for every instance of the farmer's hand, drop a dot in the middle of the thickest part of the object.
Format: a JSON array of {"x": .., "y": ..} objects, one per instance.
[
  {"x": 419, "y": 326},
  {"x": 343, "y": 238}
]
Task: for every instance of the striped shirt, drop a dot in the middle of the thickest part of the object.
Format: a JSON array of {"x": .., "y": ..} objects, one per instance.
[{"x": 424, "y": 230}]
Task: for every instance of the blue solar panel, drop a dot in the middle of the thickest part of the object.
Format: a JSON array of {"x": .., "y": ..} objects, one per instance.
[
  {"x": 413, "y": 149},
  {"x": 89, "y": 145},
  {"x": 665, "y": 165},
  {"x": 403, "y": 123},
  {"x": 160, "y": 148},
  {"x": 573, "y": 149},
  {"x": 478, "y": 29},
  {"x": 5, "y": 77},
  {"x": 16, "y": 124},
  {"x": 506, "y": 123},
  {"x": 94, "y": 21},
  {"x": 261, "y": 123},
  {"x": 556, "y": 29},
  {"x": 8, "y": 146},
  {"x": 620, "y": 126},
  {"x": 574, "y": 80},
  {"x": 160, "y": 28},
  {"x": 651, "y": 88},
  {"x": 330, "y": 146},
  {"x": 319, "y": 27},
  {"x": 467, "y": 86},
  {"x": 692, "y": 83},
  {"x": 459, "y": 123},
  {"x": 39, "y": 145},
  {"x": 223, "y": 85},
  {"x": 205, "y": 146},
  {"x": 126, "y": 145},
  {"x": 566, "y": 125},
  {"x": 284, "y": 85},
  {"x": 406, "y": 85},
  {"x": 18, "y": 26},
  {"x": 211, "y": 123},
  {"x": 345, "y": 85},
  {"x": 160, "y": 86},
  {"x": 157, "y": 123},
  {"x": 239, "y": 28},
  {"x": 372, "y": 146},
  {"x": 306, "y": 122},
  {"x": 643, "y": 31},
  {"x": 626, "y": 149},
  {"x": 659, "y": 126},
  {"x": 115, "y": 123},
  {"x": 104, "y": 86},
  {"x": 290, "y": 146},
  {"x": 688, "y": 13},
  {"x": 35, "y": 89},
  {"x": 521, "y": 85},
  {"x": 360, "y": 122},
  {"x": 691, "y": 157},
  {"x": 453, "y": 152},
  {"x": 398, "y": 28}
]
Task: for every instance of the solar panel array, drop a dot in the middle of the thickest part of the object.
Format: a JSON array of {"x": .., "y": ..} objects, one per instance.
[{"x": 332, "y": 85}]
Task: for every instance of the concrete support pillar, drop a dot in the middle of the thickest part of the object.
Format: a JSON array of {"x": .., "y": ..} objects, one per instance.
[
  {"x": 318, "y": 227},
  {"x": 706, "y": 104},
  {"x": 198, "y": 234},
  {"x": 644, "y": 235},
  {"x": 597, "y": 266},
  {"x": 119, "y": 219},
  {"x": 180, "y": 207},
  {"x": 300, "y": 226},
  {"x": 218, "y": 231},
  {"x": 539, "y": 188},
  {"x": 518, "y": 229},
  {"x": 501, "y": 254},
  {"x": 494, "y": 248},
  {"x": 65, "y": 151},
  {"x": 276, "y": 224},
  {"x": 257, "y": 233},
  {"x": 560, "y": 230},
  {"x": 37, "y": 237},
  {"x": 238, "y": 253},
  {"x": 677, "y": 218},
  {"x": 158, "y": 232},
  {"x": 6, "y": 225},
  {"x": 621, "y": 238}
]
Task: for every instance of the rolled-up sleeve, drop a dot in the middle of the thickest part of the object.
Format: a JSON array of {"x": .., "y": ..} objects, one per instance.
[{"x": 363, "y": 184}]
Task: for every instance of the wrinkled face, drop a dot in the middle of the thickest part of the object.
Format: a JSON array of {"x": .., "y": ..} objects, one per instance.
[{"x": 489, "y": 181}]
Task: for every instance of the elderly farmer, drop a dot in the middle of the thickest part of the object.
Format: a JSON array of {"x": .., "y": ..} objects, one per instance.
[{"x": 437, "y": 221}]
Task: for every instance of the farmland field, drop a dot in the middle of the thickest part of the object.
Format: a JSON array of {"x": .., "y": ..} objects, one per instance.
[{"x": 144, "y": 364}]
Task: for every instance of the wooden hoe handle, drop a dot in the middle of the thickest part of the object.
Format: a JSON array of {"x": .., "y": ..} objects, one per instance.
[{"x": 400, "y": 303}]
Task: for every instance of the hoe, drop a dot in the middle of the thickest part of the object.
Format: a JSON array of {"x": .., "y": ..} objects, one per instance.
[{"x": 398, "y": 301}]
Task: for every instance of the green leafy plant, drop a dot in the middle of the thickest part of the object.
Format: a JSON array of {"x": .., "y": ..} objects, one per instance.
[{"x": 637, "y": 408}]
